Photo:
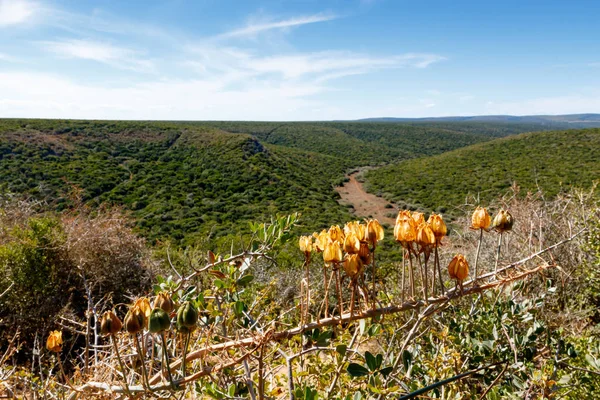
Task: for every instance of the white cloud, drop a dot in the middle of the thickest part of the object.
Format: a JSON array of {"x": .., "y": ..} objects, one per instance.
[
  {"x": 13, "y": 12},
  {"x": 115, "y": 56},
  {"x": 254, "y": 28},
  {"x": 314, "y": 66},
  {"x": 8, "y": 58},
  {"x": 48, "y": 96}
]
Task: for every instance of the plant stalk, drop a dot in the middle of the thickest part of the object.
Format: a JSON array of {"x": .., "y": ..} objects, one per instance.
[
  {"x": 498, "y": 252},
  {"x": 166, "y": 356},
  {"x": 142, "y": 358},
  {"x": 116, "y": 346},
  {"x": 185, "y": 348},
  {"x": 477, "y": 257}
]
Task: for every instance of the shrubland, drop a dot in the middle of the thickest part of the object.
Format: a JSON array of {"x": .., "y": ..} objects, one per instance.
[
  {"x": 142, "y": 223},
  {"x": 524, "y": 327},
  {"x": 550, "y": 161},
  {"x": 186, "y": 181}
]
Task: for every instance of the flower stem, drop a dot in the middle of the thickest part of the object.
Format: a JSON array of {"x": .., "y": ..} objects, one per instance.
[
  {"x": 477, "y": 257},
  {"x": 411, "y": 274},
  {"x": 374, "y": 299},
  {"x": 326, "y": 290},
  {"x": 116, "y": 346},
  {"x": 139, "y": 351},
  {"x": 166, "y": 355},
  {"x": 339, "y": 289},
  {"x": 403, "y": 277},
  {"x": 185, "y": 348},
  {"x": 437, "y": 261},
  {"x": 498, "y": 251}
]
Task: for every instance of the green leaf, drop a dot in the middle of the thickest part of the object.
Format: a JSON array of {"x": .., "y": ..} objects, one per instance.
[
  {"x": 341, "y": 349},
  {"x": 356, "y": 370},
  {"x": 386, "y": 371},
  {"x": 374, "y": 329},
  {"x": 379, "y": 359},
  {"x": 219, "y": 284},
  {"x": 593, "y": 363},
  {"x": 371, "y": 361},
  {"x": 406, "y": 359},
  {"x": 231, "y": 390},
  {"x": 244, "y": 280},
  {"x": 357, "y": 396}
]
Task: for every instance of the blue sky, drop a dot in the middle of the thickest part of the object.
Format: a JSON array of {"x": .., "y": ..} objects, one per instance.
[{"x": 297, "y": 60}]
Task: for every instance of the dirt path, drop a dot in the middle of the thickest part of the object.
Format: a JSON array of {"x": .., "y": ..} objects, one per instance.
[{"x": 366, "y": 205}]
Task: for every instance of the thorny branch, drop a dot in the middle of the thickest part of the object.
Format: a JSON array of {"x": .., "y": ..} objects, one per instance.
[{"x": 257, "y": 341}]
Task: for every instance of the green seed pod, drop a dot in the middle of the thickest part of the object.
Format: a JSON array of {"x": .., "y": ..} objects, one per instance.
[
  {"x": 187, "y": 316},
  {"x": 159, "y": 321},
  {"x": 110, "y": 323}
]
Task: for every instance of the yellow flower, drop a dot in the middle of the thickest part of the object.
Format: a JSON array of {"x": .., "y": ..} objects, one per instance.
[
  {"x": 364, "y": 253},
  {"x": 405, "y": 230},
  {"x": 143, "y": 304},
  {"x": 437, "y": 225},
  {"x": 110, "y": 323},
  {"x": 351, "y": 243},
  {"x": 458, "y": 268},
  {"x": 332, "y": 253},
  {"x": 305, "y": 243},
  {"x": 480, "y": 219},
  {"x": 353, "y": 265},
  {"x": 336, "y": 234},
  {"x": 356, "y": 228},
  {"x": 425, "y": 236},
  {"x": 164, "y": 301},
  {"x": 503, "y": 221},
  {"x": 418, "y": 217},
  {"x": 54, "y": 342},
  {"x": 374, "y": 231},
  {"x": 321, "y": 240}
]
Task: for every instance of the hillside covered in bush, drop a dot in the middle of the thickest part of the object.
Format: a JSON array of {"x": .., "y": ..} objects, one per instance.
[
  {"x": 551, "y": 161},
  {"x": 187, "y": 180}
]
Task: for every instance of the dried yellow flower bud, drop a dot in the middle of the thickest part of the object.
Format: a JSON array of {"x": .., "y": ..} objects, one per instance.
[
  {"x": 503, "y": 221},
  {"x": 164, "y": 301},
  {"x": 374, "y": 232},
  {"x": 54, "y": 342},
  {"x": 458, "y": 268},
  {"x": 480, "y": 219},
  {"x": 353, "y": 265},
  {"x": 110, "y": 323},
  {"x": 332, "y": 253},
  {"x": 437, "y": 225},
  {"x": 351, "y": 243}
]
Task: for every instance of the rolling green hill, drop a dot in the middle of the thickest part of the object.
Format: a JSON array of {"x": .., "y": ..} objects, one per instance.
[
  {"x": 361, "y": 143},
  {"x": 553, "y": 160},
  {"x": 180, "y": 182},
  {"x": 185, "y": 180}
]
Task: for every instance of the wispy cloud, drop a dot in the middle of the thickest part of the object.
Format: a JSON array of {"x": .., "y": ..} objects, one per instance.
[
  {"x": 254, "y": 28},
  {"x": 314, "y": 66},
  {"x": 13, "y": 12},
  {"x": 106, "y": 53},
  {"x": 8, "y": 58}
]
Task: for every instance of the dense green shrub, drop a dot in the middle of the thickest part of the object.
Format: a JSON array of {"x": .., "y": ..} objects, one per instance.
[{"x": 51, "y": 264}]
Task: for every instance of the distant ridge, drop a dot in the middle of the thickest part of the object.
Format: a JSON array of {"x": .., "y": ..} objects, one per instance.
[{"x": 589, "y": 120}]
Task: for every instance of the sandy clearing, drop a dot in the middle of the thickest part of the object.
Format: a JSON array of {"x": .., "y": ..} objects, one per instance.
[{"x": 366, "y": 205}]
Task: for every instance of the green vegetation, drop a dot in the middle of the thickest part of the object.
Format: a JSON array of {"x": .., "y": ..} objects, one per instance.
[
  {"x": 177, "y": 179},
  {"x": 188, "y": 180},
  {"x": 552, "y": 161}
]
